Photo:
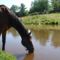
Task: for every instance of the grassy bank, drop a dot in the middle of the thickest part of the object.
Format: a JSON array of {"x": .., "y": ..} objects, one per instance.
[
  {"x": 44, "y": 21},
  {"x": 6, "y": 56}
]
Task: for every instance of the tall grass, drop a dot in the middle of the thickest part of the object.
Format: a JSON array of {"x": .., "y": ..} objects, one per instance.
[
  {"x": 6, "y": 56},
  {"x": 40, "y": 21}
]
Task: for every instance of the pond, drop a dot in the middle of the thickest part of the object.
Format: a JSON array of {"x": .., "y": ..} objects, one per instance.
[{"x": 46, "y": 45}]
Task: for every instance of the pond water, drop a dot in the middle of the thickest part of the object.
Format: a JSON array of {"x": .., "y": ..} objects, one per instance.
[{"x": 46, "y": 45}]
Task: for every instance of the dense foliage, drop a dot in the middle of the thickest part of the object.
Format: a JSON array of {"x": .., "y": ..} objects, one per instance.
[
  {"x": 56, "y": 5},
  {"x": 19, "y": 11},
  {"x": 40, "y": 6},
  {"x": 37, "y": 7}
]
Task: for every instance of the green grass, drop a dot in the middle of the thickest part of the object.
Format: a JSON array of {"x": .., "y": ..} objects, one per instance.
[
  {"x": 48, "y": 21},
  {"x": 6, "y": 56}
]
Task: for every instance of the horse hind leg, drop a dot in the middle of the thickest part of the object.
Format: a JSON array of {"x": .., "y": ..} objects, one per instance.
[{"x": 3, "y": 40}]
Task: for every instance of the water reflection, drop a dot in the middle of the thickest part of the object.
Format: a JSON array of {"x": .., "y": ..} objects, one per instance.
[
  {"x": 45, "y": 44},
  {"x": 42, "y": 36},
  {"x": 29, "y": 57},
  {"x": 13, "y": 31},
  {"x": 56, "y": 39}
]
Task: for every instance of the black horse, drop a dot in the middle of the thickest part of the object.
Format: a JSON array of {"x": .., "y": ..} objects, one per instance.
[{"x": 7, "y": 20}]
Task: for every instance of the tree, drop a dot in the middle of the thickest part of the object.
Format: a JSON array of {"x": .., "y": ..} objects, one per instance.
[
  {"x": 19, "y": 11},
  {"x": 15, "y": 8},
  {"x": 22, "y": 10},
  {"x": 39, "y": 6},
  {"x": 56, "y": 5}
]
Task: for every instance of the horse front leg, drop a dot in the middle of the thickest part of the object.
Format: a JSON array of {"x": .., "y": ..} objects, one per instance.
[{"x": 3, "y": 40}]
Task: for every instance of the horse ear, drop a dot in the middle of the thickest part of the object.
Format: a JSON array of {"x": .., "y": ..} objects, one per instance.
[{"x": 29, "y": 32}]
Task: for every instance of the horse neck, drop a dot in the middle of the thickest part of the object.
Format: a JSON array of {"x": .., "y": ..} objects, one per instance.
[{"x": 20, "y": 28}]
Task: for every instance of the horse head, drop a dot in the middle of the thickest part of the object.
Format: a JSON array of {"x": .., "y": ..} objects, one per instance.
[{"x": 26, "y": 41}]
